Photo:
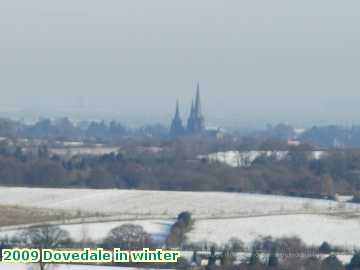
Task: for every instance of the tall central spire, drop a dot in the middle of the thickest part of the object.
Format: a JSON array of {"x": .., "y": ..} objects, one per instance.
[
  {"x": 198, "y": 112},
  {"x": 177, "y": 111},
  {"x": 196, "y": 121}
]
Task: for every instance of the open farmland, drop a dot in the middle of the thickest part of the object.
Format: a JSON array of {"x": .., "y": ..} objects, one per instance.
[
  {"x": 218, "y": 216},
  {"x": 97, "y": 231},
  {"x": 18, "y": 215},
  {"x": 164, "y": 204},
  {"x": 312, "y": 229}
]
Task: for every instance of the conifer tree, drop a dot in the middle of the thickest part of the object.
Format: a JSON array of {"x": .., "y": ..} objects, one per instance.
[
  {"x": 254, "y": 258},
  {"x": 273, "y": 259},
  {"x": 212, "y": 259},
  {"x": 355, "y": 262},
  {"x": 332, "y": 263},
  {"x": 194, "y": 257}
]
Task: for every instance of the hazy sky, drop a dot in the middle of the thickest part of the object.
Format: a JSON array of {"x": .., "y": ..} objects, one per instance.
[{"x": 257, "y": 61}]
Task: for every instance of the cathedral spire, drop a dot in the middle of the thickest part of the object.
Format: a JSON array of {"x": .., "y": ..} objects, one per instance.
[
  {"x": 177, "y": 110},
  {"x": 192, "y": 110},
  {"x": 197, "y": 108},
  {"x": 177, "y": 128},
  {"x": 196, "y": 121}
]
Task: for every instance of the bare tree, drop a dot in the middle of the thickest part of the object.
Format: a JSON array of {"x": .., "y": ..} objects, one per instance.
[
  {"x": 328, "y": 186},
  {"x": 128, "y": 237},
  {"x": 46, "y": 237}
]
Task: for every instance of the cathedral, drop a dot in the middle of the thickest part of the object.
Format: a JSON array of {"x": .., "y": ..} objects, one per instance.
[{"x": 195, "y": 123}]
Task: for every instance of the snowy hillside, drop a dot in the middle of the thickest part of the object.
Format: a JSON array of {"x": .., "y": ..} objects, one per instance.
[
  {"x": 164, "y": 204},
  {"x": 158, "y": 229},
  {"x": 246, "y": 158},
  {"x": 312, "y": 229},
  {"x": 218, "y": 216}
]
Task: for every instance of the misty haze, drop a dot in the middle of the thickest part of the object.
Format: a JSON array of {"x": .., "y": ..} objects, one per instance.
[
  {"x": 224, "y": 134},
  {"x": 257, "y": 61}
]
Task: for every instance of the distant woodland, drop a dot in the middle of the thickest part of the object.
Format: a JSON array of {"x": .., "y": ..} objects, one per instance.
[{"x": 174, "y": 167}]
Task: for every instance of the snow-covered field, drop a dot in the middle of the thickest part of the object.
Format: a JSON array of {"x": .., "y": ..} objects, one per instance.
[
  {"x": 164, "y": 204},
  {"x": 218, "y": 216},
  {"x": 158, "y": 229},
  {"x": 312, "y": 229},
  {"x": 246, "y": 158}
]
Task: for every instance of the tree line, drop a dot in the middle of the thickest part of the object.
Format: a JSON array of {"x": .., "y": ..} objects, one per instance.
[
  {"x": 63, "y": 128},
  {"x": 176, "y": 167}
]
